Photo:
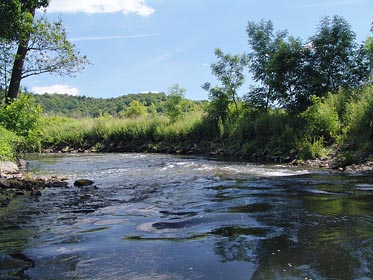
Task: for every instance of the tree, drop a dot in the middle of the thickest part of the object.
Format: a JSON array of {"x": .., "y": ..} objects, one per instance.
[
  {"x": 229, "y": 71},
  {"x": 335, "y": 57},
  {"x": 288, "y": 72},
  {"x": 218, "y": 107},
  {"x": 42, "y": 47},
  {"x": 262, "y": 41},
  {"x": 136, "y": 109},
  {"x": 174, "y": 105},
  {"x": 6, "y": 62},
  {"x": 368, "y": 48},
  {"x": 16, "y": 17}
]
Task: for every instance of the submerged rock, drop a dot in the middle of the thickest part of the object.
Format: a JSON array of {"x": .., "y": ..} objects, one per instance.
[{"x": 83, "y": 183}]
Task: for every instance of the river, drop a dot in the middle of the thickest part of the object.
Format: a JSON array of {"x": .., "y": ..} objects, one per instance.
[{"x": 151, "y": 216}]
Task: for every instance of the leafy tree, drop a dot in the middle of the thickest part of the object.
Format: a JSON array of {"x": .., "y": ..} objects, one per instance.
[
  {"x": 42, "y": 47},
  {"x": 262, "y": 39},
  {"x": 368, "y": 48},
  {"x": 16, "y": 17},
  {"x": 218, "y": 107},
  {"x": 174, "y": 105},
  {"x": 335, "y": 57},
  {"x": 229, "y": 71},
  {"x": 136, "y": 109},
  {"x": 289, "y": 72}
]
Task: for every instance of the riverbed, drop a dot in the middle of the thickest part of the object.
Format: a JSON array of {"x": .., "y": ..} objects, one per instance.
[{"x": 152, "y": 216}]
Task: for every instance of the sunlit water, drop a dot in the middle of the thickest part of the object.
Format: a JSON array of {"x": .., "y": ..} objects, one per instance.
[{"x": 167, "y": 217}]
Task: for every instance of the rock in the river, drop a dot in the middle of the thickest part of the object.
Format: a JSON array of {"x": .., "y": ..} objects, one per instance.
[
  {"x": 4, "y": 184},
  {"x": 83, "y": 183},
  {"x": 8, "y": 167}
]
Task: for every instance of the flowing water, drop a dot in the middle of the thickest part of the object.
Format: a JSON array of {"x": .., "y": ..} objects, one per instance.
[{"x": 168, "y": 217}]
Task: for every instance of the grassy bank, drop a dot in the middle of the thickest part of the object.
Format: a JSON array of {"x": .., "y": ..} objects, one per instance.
[{"x": 338, "y": 126}]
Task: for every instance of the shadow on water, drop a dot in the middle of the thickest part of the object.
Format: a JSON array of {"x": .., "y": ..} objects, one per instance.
[
  {"x": 14, "y": 236},
  {"x": 166, "y": 217}
]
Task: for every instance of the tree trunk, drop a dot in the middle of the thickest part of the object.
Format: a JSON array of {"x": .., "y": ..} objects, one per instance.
[{"x": 15, "y": 80}]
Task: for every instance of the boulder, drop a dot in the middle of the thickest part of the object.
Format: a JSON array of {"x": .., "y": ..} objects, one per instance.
[
  {"x": 83, "y": 183},
  {"x": 57, "y": 184},
  {"x": 8, "y": 167}
]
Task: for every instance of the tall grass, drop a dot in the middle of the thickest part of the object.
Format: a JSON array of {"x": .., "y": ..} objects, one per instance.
[{"x": 117, "y": 134}]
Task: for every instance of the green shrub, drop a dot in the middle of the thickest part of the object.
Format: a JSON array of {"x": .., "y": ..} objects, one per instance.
[
  {"x": 311, "y": 149},
  {"x": 21, "y": 116},
  {"x": 322, "y": 119},
  {"x": 8, "y": 144},
  {"x": 275, "y": 131},
  {"x": 358, "y": 123}
]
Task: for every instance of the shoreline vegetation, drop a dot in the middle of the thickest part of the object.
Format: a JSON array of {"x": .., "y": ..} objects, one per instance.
[{"x": 334, "y": 132}]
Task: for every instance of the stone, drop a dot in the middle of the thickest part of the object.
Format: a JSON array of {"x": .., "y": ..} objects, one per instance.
[
  {"x": 83, "y": 183},
  {"x": 4, "y": 184},
  {"x": 57, "y": 184},
  {"x": 20, "y": 192},
  {"x": 8, "y": 167},
  {"x": 22, "y": 164}
]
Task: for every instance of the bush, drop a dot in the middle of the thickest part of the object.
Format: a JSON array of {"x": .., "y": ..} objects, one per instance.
[
  {"x": 8, "y": 144},
  {"x": 311, "y": 149},
  {"x": 322, "y": 120},
  {"x": 21, "y": 116},
  {"x": 358, "y": 128}
]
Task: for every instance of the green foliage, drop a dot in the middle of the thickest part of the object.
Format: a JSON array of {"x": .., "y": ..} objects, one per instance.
[
  {"x": 42, "y": 46},
  {"x": 50, "y": 51},
  {"x": 135, "y": 110},
  {"x": 229, "y": 71},
  {"x": 8, "y": 143},
  {"x": 82, "y": 106},
  {"x": 112, "y": 134},
  {"x": 15, "y": 17},
  {"x": 311, "y": 149},
  {"x": 358, "y": 122},
  {"x": 288, "y": 72},
  {"x": 275, "y": 132},
  {"x": 322, "y": 120},
  {"x": 262, "y": 39},
  {"x": 335, "y": 57},
  {"x": 21, "y": 117},
  {"x": 175, "y": 105}
]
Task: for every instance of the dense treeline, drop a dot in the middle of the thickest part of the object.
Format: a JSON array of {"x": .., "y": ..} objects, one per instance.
[
  {"x": 82, "y": 106},
  {"x": 310, "y": 100}
]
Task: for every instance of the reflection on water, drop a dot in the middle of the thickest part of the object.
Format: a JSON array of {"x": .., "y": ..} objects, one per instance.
[{"x": 167, "y": 217}]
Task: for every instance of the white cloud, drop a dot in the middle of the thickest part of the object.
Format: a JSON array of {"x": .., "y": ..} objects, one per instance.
[
  {"x": 57, "y": 88},
  {"x": 100, "y": 6}
]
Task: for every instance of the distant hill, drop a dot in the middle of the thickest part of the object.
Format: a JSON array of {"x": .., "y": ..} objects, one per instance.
[{"x": 82, "y": 106}]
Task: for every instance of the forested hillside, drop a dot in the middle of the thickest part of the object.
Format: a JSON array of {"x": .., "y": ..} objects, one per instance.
[{"x": 82, "y": 106}]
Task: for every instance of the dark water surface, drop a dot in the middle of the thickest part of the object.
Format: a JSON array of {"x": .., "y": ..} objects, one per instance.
[{"x": 166, "y": 217}]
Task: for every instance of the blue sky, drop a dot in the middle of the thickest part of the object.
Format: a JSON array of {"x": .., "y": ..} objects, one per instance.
[{"x": 149, "y": 45}]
